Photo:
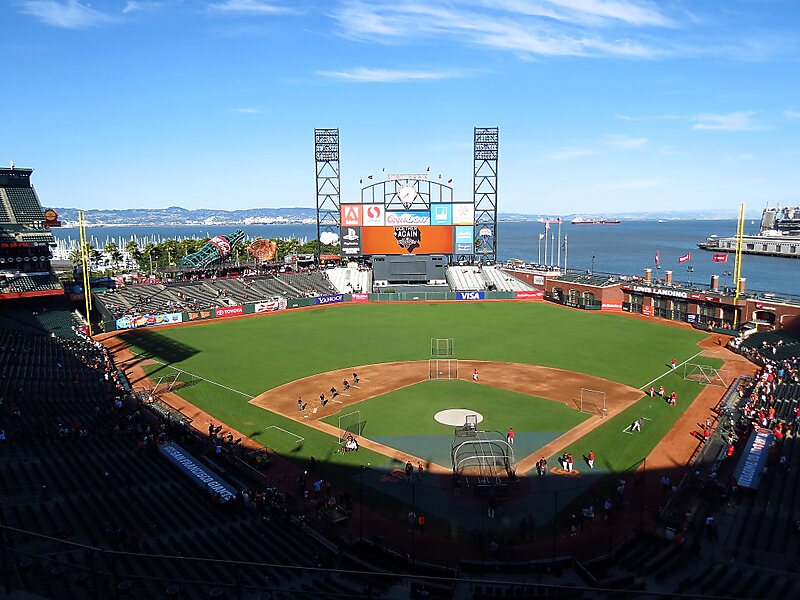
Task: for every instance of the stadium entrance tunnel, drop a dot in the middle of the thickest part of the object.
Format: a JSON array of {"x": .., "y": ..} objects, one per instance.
[{"x": 457, "y": 417}]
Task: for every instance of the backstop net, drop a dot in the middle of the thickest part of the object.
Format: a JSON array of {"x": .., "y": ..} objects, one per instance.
[
  {"x": 484, "y": 461},
  {"x": 593, "y": 402},
  {"x": 443, "y": 368},
  {"x": 350, "y": 424},
  {"x": 441, "y": 346}
]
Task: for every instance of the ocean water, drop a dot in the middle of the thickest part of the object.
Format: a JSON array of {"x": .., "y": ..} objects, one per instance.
[{"x": 627, "y": 248}]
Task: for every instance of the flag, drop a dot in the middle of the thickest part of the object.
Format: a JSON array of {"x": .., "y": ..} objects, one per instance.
[
  {"x": 541, "y": 236},
  {"x": 658, "y": 258},
  {"x": 685, "y": 258},
  {"x": 719, "y": 258}
]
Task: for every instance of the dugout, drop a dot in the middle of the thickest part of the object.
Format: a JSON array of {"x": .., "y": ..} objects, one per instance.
[{"x": 389, "y": 269}]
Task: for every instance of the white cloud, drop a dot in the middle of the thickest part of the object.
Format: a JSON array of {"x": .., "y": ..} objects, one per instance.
[
  {"x": 733, "y": 121},
  {"x": 791, "y": 114},
  {"x": 366, "y": 75},
  {"x": 625, "y": 142},
  {"x": 251, "y": 7},
  {"x": 557, "y": 28},
  {"x": 247, "y": 110},
  {"x": 69, "y": 14},
  {"x": 570, "y": 153}
]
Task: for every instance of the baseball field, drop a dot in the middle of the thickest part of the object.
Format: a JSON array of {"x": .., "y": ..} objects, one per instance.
[{"x": 537, "y": 362}]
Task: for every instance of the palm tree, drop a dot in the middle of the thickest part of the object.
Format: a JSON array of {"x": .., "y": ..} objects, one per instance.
[{"x": 114, "y": 255}]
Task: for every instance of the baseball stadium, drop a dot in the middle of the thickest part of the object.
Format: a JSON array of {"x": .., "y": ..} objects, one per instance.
[{"x": 399, "y": 414}]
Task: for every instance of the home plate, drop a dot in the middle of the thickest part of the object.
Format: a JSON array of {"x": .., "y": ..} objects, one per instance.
[{"x": 456, "y": 416}]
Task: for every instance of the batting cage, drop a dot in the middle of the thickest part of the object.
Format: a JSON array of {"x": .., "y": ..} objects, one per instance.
[
  {"x": 443, "y": 368},
  {"x": 484, "y": 460}
]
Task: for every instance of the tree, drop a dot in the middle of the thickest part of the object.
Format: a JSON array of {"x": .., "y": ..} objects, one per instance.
[{"x": 114, "y": 255}]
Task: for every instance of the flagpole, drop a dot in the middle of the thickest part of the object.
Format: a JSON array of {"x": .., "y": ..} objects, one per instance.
[
  {"x": 538, "y": 262},
  {"x": 559, "y": 242},
  {"x": 566, "y": 249},
  {"x": 737, "y": 268},
  {"x": 546, "y": 231},
  {"x": 552, "y": 248}
]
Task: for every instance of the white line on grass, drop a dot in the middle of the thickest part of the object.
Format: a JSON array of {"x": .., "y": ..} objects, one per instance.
[
  {"x": 202, "y": 378},
  {"x": 670, "y": 370},
  {"x": 300, "y": 438}
]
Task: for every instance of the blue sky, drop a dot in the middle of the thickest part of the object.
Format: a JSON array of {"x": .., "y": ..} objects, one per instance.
[{"x": 602, "y": 105}]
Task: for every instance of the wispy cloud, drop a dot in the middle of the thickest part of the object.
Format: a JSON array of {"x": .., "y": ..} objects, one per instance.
[
  {"x": 791, "y": 114},
  {"x": 732, "y": 121},
  {"x": 367, "y": 75},
  {"x": 625, "y": 142},
  {"x": 247, "y": 110},
  {"x": 251, "y": 7},
  {"x": 570, "y": 153},
  {"x": 69, "y": 14},
  {"x": 141, "y": 5},
  {"x": 536, "y": 28}
]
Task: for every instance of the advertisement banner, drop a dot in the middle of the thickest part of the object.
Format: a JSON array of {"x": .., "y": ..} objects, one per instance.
[
  {"x": 228, "y": 311},
  {"x": 279, "y": 304},
  {"x": 441, "y": 214},
  {"x": 463, "y": 214},
  {"x": 530, "y": 295},
  {"x": 647, "y": 310},
  {"x": 538, "y": 280},
  {"x": 411, "y": 217},
  {"x": 329, "y": 299},
  {"x": 199, "y": 314},
  {"x": 754, "y": 457},
  {"x": 373, "y": 215},
  {"x": 359, "y": 297},
  {"x": 350, "y": 215},
  {"x": 196, "y": 471},
  {"x": 464, "y": 240},
  {"x": 690, "y": 318},
  {"x": 469, "y": 295},
  {"x": 351, "y": 241},
  {"x": 407, "y": 239},
  {"x": 148, "y": 320},
  {"x": 611, "y": 306}
]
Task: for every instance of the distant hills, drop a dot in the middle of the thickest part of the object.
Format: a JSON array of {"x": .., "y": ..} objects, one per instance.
[{"x": 176, "y": 215}]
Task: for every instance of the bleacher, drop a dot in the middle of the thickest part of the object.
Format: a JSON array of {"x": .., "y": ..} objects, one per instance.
[
  {"x": 205, "y": 294},
  {"x": 465, "y": 278},
  {"x": 597, "y": 280},
  {"x": 24, "y": 283},
  {"x": 348, "y": 279},
  {"x": 80, "y": 469},
  {"x": 501, "y": 282}
]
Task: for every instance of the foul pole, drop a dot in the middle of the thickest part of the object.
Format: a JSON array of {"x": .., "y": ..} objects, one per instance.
[
  {"x": 87, "y": 283},
  {"x": 737, "y": 269}
]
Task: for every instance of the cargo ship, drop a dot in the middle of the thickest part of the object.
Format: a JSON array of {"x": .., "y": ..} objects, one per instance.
[
  {"x": 583, "y": 221},
  {"x": 778, "y": 235}
]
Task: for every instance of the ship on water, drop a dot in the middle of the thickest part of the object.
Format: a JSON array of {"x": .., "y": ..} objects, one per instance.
[
  {"x": 778, "y": 235},
  {"x": 593, "y": 221}
]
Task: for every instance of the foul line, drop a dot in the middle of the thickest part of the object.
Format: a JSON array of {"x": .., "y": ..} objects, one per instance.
[
  {"x": 199, "y": 377},
  {"x": 300, "y": 438},
  {"x": 670, "y": 370}
]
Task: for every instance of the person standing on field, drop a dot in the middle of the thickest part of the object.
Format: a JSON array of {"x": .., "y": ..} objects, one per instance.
[
  {"x": 591, "y": 459},
  {"x": 475, "y": 375}
]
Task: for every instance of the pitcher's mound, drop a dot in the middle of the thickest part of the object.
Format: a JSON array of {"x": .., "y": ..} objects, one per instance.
[{"x": 456, "y": 416}]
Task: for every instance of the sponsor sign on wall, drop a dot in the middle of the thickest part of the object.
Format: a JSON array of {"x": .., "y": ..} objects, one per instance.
[
  {"x": 538, "y": 280},
  {"x": 530, "y": 295},
  {"x": 199, "y": 314},
  {"x": 463, "y": 214},
  {"x": 351, "y": 241},
  {"x": 148, "y": 320},
  {"x": 350, "y": 215},
  {"x": 407, "y": 239},
  {"x": 410, "y": 217},
  {"x": 748, "y": 471},
  {"x": 373, "y": 215},
  {"x": 611, "y": 306},
  {"x": 464, "y": 239},
  {"x": 279, "y": 304},
  {"x": 469, "y": 295},
  {"x": 359, "y": 297},
  {"x": 647, "y": 310},
  {"x": 229, "y": 311},
  {"x": 329, "y": 299},
  {"x": 441, "y": 214}
]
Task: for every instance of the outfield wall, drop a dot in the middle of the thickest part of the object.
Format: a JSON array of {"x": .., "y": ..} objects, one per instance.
[{"x": 251, "y": 308}]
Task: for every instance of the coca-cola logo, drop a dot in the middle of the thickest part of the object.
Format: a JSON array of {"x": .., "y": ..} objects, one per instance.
[{"x": 408, "y": 237}]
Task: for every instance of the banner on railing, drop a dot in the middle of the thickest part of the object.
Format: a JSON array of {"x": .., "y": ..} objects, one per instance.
[
  {"x": 229, "y": 311},
  {"x": 611, "y": 306},
  {"x": 148, "y": 320},
  {"x": 196, "y": 471},
  {"x": 359, "y": 297},
  {"x": 469, "y": 295},
  {"x": 754, "y": 457}
]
